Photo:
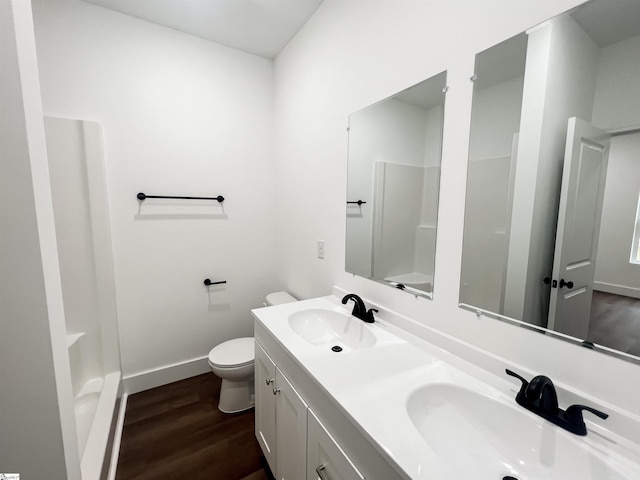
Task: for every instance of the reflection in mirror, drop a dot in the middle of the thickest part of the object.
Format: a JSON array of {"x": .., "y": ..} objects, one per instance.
[
  {"x": 552, "y": 206},
  {"x": 392, "y": 193}
]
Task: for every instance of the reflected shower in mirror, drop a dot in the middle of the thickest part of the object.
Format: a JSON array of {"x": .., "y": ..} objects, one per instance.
[
  {"x": 392, "y": 194},
  {"x": 550, "y": 233}
]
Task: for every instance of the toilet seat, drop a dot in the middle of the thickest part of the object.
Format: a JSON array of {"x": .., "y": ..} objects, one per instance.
[{"x": 238, "y": 352}]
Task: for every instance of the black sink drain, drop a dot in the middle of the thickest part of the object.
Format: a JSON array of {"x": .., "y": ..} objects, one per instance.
[
  {"x": 338, "y": 348},
  {"x": 508, "y": 477}
]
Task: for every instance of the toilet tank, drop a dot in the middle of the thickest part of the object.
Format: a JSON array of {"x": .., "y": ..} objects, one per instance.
[{"x": 278, "y": 298}]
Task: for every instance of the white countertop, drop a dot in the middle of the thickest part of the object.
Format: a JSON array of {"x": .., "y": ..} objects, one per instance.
[{"x": 372, "y": 385}]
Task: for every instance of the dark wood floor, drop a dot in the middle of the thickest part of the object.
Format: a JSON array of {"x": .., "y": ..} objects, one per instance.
[
  {"x": 615, "y": 322},
  {"x": 176, "y": 431}
]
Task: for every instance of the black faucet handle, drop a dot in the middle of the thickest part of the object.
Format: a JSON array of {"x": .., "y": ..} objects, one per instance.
[
  {"x": 574, "y": 413},
  {"x": 573, "y": 421},
  {"x": 368, "y": 317},
  {"x": 514, "y": 374},
  {"x": 525, "y": 383}
]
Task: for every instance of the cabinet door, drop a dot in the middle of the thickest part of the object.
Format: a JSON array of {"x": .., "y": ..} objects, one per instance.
[
  {"x": 291, "y": 431},
  {"x": 265, "y": 410},
  {"x": 325, "y": 459}
]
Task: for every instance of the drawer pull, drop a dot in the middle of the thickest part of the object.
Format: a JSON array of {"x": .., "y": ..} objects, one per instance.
[
  {"x": 320, "y": 471},
  {"x": 269, "y": 381},
  {"x": 276, "y": 390}
]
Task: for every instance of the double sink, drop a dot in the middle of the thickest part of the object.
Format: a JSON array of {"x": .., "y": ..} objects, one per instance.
[{"x": 435, "y": 419}]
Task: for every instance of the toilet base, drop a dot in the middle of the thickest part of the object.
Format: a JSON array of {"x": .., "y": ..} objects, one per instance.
[{"x": 236, "y": 396}]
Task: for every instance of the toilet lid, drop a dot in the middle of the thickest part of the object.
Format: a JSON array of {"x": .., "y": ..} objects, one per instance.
[{"x": 233, "y": 353}]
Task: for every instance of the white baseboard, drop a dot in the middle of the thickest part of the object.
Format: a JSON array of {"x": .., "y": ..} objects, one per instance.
[
  {"x": 117, "y": 438},
  {"x": 617, "y": 289},
  {"x": 164, "y": 375}
]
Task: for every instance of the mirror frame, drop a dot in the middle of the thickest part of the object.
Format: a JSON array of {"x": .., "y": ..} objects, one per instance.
[{"x": 551, "y": 333}]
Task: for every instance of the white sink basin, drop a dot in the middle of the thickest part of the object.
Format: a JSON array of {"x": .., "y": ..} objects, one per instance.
[
  {"x": 484, "y": 438},
  {"x": 320, "y": 326}
]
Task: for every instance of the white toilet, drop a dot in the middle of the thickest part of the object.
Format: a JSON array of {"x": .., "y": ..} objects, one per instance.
[{"x": 233, "y": 362}]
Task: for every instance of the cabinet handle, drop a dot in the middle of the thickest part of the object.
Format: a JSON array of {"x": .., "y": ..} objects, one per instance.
[
  {"x": 269, "y": 381},
  {"x": 320, "y": 471},
  {"x": 276, "y": 390}
]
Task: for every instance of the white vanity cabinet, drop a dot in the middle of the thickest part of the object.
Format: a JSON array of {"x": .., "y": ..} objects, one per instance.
[
  {"x": 281, "y": 420},
  {"x": 301, "y": 427},
  {"x": 325, "y": 459}
]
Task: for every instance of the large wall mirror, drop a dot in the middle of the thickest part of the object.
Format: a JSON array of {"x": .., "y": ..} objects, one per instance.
[
  {"x": 552, "y": 214},
  {"x": 392, "y": 187}
]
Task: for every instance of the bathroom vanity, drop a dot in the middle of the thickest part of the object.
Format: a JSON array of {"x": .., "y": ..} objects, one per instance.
[
  {"x": 337, "y": 398},
  {"x": 298, "y": 425}
]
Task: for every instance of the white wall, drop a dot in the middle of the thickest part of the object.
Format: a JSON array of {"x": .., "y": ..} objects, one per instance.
[
  {"x": 616, "y": 106},
  {"x": 351, "y": 54},
  {"x": 181, "y": 116},
  {"x": 613, "y": 268},
  {"x": 37, "y": 435},
  {"x": 617, "y": 101}
]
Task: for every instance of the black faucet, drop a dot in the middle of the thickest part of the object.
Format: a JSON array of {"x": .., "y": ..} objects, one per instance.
[
  {"x": 359, "y": 309},
  {"x": 539, "y": 396}
]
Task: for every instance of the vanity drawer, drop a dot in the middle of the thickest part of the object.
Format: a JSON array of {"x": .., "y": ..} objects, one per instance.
[{"x": 325, "y": 459}]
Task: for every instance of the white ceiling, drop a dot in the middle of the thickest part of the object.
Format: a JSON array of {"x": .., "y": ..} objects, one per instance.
[
  {"x": 261, "y": 27},
  {"x": 609, "y": 21}
]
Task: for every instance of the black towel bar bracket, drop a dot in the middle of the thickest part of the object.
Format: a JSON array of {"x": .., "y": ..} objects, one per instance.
[
  {"x": 143, "y": 196},
  {"x": 359, "y": 202},
  {"x": 208, "y": 282}
]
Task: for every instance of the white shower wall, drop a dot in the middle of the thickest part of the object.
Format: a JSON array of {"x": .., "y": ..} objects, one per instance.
[
  {"x": 495, "y": 121},
  {"x": 396, "y": 217},
  {"x": 72, "y": 212},
  {"x": 81, "y": 214}
]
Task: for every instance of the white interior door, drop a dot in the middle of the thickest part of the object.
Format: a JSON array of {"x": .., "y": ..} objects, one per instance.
[{"x": 583, "y": 180}]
